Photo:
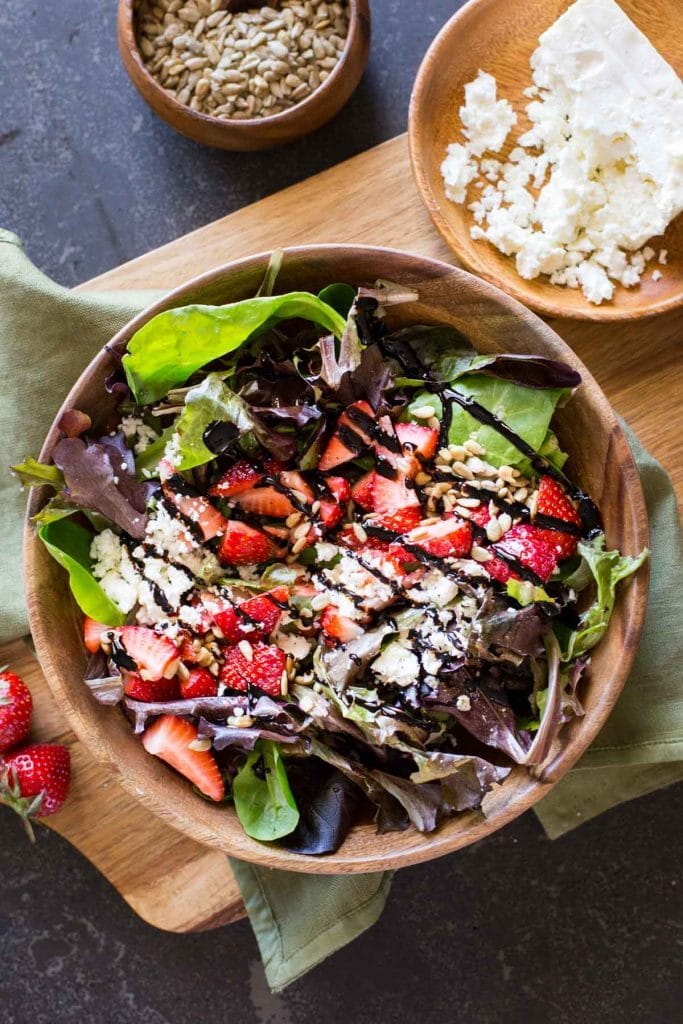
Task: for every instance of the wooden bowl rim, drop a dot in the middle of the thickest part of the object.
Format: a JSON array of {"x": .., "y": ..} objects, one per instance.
[
  {"x": 510, "y": 283},
  {"x": 150, "y": 786},
  {"x": 127, "y": 37}
]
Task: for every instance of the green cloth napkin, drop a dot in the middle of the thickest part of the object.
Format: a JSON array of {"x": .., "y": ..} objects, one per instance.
[{"x": 47, "y": 336}]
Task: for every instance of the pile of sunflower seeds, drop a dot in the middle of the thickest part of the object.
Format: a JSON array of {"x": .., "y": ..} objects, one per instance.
[{"x": 234, "y": 66}]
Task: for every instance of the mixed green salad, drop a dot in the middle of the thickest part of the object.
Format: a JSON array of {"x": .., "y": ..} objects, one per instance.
[{"x": 330, "y": 570}]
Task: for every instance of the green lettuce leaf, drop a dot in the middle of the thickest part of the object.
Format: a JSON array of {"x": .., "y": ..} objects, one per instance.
[
  {"x": 340, "y": 296},
  {"x": 525, "y": 593},
  {"x": 263, "y": 799},
  {"x": 607, "y": 569},
  {"x": 527, "y": 411},
  {"x": 210, "y": 401},
  {"x": 168, "y": 349},
  {"x": 32, "y": 473},
  {"x": 69, "y": 545},
  {"x": 550, "y": 449},
  {"x": 57, "y": 508}
]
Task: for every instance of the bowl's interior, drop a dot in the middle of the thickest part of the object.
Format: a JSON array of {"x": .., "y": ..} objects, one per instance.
[
  {"x": 500, "y": 39},
  {"x": 600, "y": 460}
]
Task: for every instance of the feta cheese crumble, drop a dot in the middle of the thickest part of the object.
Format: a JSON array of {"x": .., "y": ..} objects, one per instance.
[{"x": 601, "y": 169}]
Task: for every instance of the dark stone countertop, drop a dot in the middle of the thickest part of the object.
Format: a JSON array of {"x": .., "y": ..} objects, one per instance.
[{"x": 516, "y": 930}]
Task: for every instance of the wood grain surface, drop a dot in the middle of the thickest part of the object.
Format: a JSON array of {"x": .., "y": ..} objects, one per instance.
[
  {"x": 639, "y": 366},
  {"x": 500, "y": 40}
]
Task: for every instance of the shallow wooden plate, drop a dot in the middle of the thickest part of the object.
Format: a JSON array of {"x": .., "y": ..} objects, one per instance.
[
  {"x": 600, "y": 460},
  {"x": 500, "y": 38}
]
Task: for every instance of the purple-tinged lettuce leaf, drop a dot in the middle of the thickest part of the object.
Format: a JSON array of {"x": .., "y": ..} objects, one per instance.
[
  {"x": 224, "y": 736},
  {"x": 328, "y": 802},
  {"x": 106, "y": 686},
  {"x": 489, "y": 717},
  {"x": 520, "y": 630},
  {"x": 551, "y": 717},
  {"x": 213, "y": 707},
  {"x": 95, "y": 480}
]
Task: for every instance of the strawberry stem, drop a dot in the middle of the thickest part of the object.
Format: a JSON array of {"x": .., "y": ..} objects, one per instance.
[{"x": 26, "y": 807}]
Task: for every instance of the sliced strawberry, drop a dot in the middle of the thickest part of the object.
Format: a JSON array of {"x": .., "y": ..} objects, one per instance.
[
  {"x": 253, "y": 619},
  {"x": 294, "y": 482},
  {"x": 243, "y": 545},
  {"x": 240, "y": 477},
  {"x": 150, "y": 689},
  {"x": 278, "y": 532},
  {"x": 155, "y": 656},
  {"x": 480, "y": 515},
  {"x": 200, "y": 683},
  {"x": 197, "y": 509},
  {"x": 264, "y": 670},
  {"x": 92, "y": 633},
  {"x": 553, "y": 501},
  {"x": 401, "y": 559},
  {"x": 527, "y": 545},
  {"x": 401, "y": 521},
  {"x": 266, "y": 501},
  {"x": 337, "y": 627},
  {"x": 419, "y": 438},
  {"x": 363, "y": 491},
  {"x": 330, "y": 513},
  {"x": 499, "y": 570},
  {"x": 337, "y": 451},
  {"x": 389, "y": 495},
  {"x": 449, "y": 538},
  {"x": 339, "y": 487},
  {"x": 169, "y": 739}
]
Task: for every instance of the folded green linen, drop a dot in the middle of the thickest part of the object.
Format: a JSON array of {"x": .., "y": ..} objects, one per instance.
[{"x": 48, "y": 334}]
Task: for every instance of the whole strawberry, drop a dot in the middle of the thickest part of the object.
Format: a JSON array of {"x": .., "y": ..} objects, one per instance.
[
  {"x": 16, "y": 706},
  {"x": 34, "y": 781}
]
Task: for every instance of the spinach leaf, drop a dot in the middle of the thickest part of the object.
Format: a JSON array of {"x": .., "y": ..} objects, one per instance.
[
  {"x": 212, "y": 401},
  {"x": 168, "y": 349},
  {"x": 32, "y": 473},
  {"x": 527, "y": 411},
  {"x": 339, "y": 296},
  {"x": 607, "y": 569},
  {"x": 69, "y": 545},
  {"x": 263, "y": 799},
  {"x": 55, "y": 509},
  {"x": 328, "y": 800}
]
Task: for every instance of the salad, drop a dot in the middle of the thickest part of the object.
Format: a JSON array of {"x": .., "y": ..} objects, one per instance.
[{"x": 330, "y": 570}]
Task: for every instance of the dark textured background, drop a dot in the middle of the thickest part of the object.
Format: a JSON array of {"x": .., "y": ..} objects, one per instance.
[{"x": 515, "y": 931}]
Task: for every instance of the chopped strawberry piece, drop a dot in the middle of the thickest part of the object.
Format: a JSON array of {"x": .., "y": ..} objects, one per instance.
[
  {"x": 332, "y": 509},
  {"x": 294, "y": 481},
  {"x": 243, "y": 545},
  {"x": 553, "y": 501},
  {"x": 264, "y": 670},
  {"x": 200, "y": 683},
  {"x": 197, "y": 509},
  {"x": 449, "y": 538},
  {"x": 169, "y": 739},
  {"x": 150, "y": 689},
  {"x": 389, "y": 495},
  {"x": 92, "y": 634},
  {"x": 363, "y": 491},
  {"x": 527, "y": 545},
  {"x": 240, "y": 477},
  {"x": 339, "y": 487},
  {"x": 155, "y": 656},
  {"x": 480, "y": 515},
  {"x": 266, "y": 501},
  {"x": 499, "y": 570},
  {"x": 349, "y": 425},
  {"x": 254, "y": 618},
  {"x": 337, "y": 627},
  {"x": 401, "y": 521},
  {"x": 279, "y": 532},
  {"x": 403, "y": 461},
  {"x": 421, "y": 439},
  {"x": 186, "y": 650}
]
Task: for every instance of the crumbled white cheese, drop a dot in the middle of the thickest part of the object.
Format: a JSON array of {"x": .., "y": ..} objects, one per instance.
[
  {"x": 606, "y": 143},
  {"x": 137, "y": 431},
  {"x": 486, "y": 119},
  {"x": 458, "y": 171},
  {"x": 397, "y": 664},
  {"x": 292, "y": 643},
  {"x": 463, "y": 703},
  {"x": 656, "y": 275}
]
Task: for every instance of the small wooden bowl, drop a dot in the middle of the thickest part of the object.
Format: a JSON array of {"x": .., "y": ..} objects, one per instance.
[
  {"x": 500, "y": 38},
  {"x": 258, "y": 132},
  {"x": 600, "y": 460}
]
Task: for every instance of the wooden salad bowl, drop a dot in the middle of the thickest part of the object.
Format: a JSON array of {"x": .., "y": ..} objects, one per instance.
[
  {"x": 500, "y": 38},
  {"x": 258, "y": 132},
  {"x": 600, "y": 460}
]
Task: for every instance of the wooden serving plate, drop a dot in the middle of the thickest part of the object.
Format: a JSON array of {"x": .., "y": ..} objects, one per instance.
[
  {"x": 499, "y": 38},
  {"x": 638, "y": 366}
]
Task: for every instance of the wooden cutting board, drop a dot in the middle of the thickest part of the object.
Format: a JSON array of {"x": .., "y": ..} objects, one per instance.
[{"x": 167, "y": 879}]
